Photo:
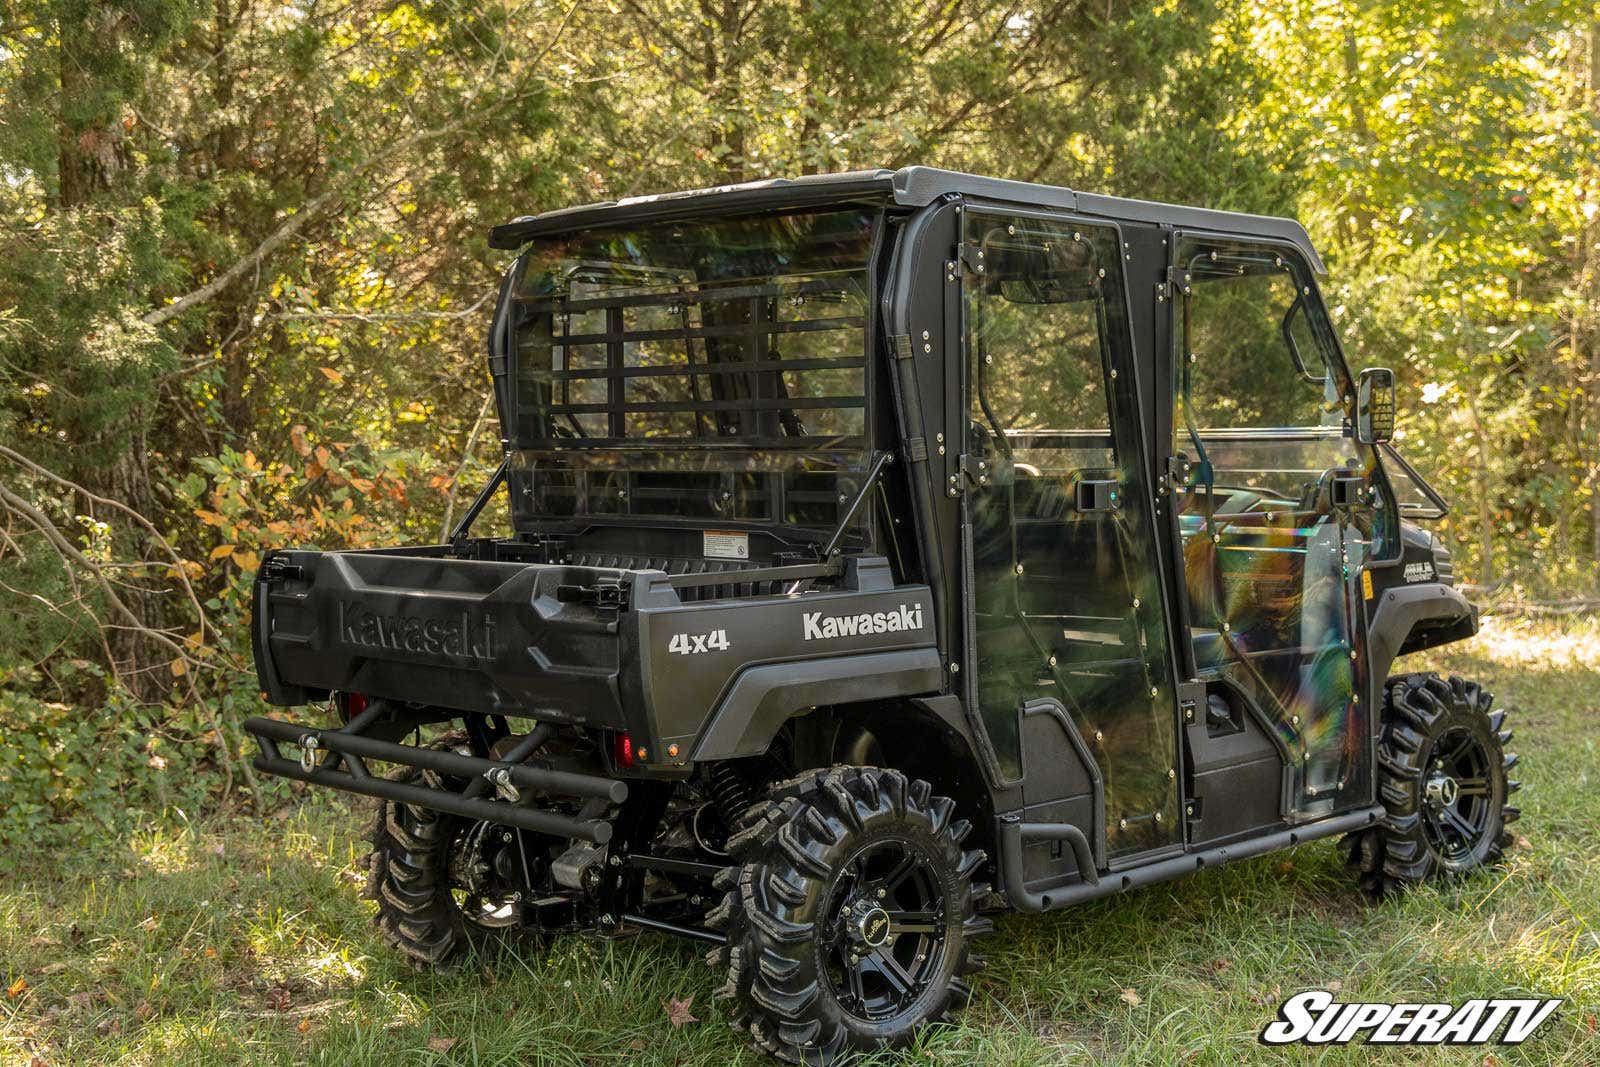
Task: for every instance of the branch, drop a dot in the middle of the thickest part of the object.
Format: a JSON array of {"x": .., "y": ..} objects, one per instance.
[{"x": 466, "y": 457}]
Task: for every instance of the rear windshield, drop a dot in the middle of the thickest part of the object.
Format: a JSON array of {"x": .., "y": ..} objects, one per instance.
[
  {"x": 749, "y": 331},
  {"x": 712, "y": 369}
]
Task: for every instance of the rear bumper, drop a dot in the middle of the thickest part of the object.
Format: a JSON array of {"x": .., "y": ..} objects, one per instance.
[{"x": 344, "y": 768}]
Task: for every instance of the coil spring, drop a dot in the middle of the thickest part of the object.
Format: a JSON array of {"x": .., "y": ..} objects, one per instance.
[{"x": 730, "y": 791}]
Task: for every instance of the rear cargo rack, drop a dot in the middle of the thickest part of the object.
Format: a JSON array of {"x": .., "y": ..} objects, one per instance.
[{"x": 517, "y": 779}]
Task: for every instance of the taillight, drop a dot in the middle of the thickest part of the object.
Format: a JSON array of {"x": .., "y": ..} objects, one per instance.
[
  {"x": 351, "y": 705},
  {"x": 622, "y": 751}
]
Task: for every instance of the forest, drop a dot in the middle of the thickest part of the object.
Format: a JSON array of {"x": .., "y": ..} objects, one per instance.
[{"x": 245, "y": 277}]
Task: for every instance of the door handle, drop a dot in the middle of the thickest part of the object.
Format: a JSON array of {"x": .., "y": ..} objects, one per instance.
[
  {"x": 1097, "y": 495},
  {"x": 1350, "y": 491}
]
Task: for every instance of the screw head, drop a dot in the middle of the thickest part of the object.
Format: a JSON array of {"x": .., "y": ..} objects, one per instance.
[
  {"x": 926, "y": 335},
  {"x": 672, "y": 751},
  {"x": 1052, "y": 661},
  {"x": 1172, "y": 775},
  {"x": 1019, "y": 568},
  {"x": 1154, "y": 691},
  {"x": 1122, "y": 824},
  {"x": 1099, "y": 735}
]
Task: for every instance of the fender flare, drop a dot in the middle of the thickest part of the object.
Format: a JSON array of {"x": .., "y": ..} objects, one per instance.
[
  {"x": 1401, "y": 609},
  {"x": 763, "y": 698}
]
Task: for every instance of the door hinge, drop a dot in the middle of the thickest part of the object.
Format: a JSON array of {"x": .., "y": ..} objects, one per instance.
[{"x": 1178, "y": 281}]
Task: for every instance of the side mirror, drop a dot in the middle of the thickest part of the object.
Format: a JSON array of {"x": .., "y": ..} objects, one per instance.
[{"x": 1375, "y": 406}]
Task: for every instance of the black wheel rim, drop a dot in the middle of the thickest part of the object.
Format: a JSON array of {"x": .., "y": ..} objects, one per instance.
[
  {"x": 883, "y": 930},
  {"x": 1456, "y": 795}
]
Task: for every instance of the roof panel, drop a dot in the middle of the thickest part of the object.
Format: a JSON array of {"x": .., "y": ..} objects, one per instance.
[{"x": 907, "y": 187}]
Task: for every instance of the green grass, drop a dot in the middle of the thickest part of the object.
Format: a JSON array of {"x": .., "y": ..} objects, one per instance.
[{"x": 229, "y": 942}]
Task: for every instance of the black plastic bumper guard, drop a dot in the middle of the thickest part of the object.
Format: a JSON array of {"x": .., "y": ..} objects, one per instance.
[{"x": 345, "y": 769}]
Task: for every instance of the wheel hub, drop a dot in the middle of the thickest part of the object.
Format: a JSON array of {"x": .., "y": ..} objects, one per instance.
[
  {"x": 870, "y": 925},
  {"x": 1443, "y": 791}
]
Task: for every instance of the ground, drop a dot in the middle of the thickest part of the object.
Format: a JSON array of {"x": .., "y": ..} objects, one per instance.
[{"x": 234, "y": 941}]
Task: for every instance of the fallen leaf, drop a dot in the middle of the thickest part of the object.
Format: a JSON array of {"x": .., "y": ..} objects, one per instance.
[
  {"x": 1131, "y": 997},
  {"x": 144, "y": 1010},
  {"x": 305, "y": 1026},
  {"x": 1221, "y": 965},
  {"x": 149, "y": 924},
  {"x": 211, "y": 953},
  {"x": 14, "y": 990},
  {"x": 81, "y": 1000},
  {"x": 678, "y": 1013},
  {"x": 442, "y": 1044},
  {"x": 332, "y": 375},
  {"x": 1334, "y": 986},
  {"x": 222, "y": 550},
  {"x": 53, "y": 968}
]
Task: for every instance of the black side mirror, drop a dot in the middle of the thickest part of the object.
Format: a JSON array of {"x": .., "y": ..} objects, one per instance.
[{"x": 1375, "y": 406}]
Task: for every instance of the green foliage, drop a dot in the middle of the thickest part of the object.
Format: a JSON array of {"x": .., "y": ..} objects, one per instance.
[{"x": 71, "y": 774}]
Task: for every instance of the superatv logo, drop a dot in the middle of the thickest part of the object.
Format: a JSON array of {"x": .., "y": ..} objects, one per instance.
[
  {"x": 453, "y": 636},
  {"x": 1315, "y": 1018},
  {"x": 820, "y": 628}
]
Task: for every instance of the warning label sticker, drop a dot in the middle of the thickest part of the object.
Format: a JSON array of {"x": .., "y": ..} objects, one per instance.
[{"x": 722, "y": 545}]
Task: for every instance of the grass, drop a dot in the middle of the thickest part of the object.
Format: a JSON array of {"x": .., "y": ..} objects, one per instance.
[{"x": 207, "y": 942}]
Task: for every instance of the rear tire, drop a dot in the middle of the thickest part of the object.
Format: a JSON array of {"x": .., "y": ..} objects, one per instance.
[
  {"x": 849, "y": 914},
  {"x": 410, "y": 878},
  {"x": 1443, "y": 780}
]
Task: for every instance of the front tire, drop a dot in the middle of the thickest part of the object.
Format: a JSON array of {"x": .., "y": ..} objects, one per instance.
[
  {"x": 849, "y": 914},
  {"x": 1443, "y": 780}
]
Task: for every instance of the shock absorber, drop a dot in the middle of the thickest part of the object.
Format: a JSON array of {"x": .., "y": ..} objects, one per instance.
[{"x": 730, "y": 791}]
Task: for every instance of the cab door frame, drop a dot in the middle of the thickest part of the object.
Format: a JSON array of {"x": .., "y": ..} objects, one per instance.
[{"x": 1127, "y": 370}]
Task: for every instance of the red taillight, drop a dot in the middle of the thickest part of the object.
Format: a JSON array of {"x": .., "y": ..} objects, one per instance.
[
  {"x": 351, "y": 705},
  {"x": 623, "y": 751}
]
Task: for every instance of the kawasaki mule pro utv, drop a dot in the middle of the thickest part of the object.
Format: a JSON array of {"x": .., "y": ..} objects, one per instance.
[{"x": 890, "y": 547}]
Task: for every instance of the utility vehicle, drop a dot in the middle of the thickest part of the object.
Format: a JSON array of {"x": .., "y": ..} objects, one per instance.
[{"x": 887, "y": 548}]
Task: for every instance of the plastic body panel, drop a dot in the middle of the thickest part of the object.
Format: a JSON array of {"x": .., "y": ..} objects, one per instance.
[{"x": 515, "y": 639}]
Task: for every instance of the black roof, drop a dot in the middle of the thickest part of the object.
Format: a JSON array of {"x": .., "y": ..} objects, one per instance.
[{"x": 906, "y": 187}]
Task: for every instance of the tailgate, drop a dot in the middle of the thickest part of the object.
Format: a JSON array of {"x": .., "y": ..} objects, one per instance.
[{"x": 418, "y": 627}]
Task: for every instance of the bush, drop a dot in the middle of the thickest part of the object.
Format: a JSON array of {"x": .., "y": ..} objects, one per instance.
[{"x": 68, "y": 772}]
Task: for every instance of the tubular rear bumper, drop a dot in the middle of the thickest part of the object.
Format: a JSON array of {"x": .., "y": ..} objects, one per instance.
[{"x": 345, "y": 769}]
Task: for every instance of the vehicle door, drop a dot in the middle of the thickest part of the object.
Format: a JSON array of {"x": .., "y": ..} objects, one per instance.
[
  {"x": 1061, "y": 558},
  {"x": 1274, "y": 509}
]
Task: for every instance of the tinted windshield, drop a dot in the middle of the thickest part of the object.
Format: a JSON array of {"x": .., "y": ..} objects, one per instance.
[{"x": 710, "y": 368}]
